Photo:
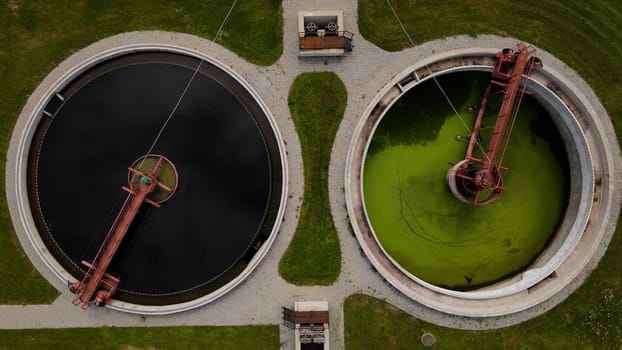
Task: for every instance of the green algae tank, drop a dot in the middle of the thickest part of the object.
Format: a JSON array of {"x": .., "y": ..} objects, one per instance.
[{"x": 417, "y": 220}]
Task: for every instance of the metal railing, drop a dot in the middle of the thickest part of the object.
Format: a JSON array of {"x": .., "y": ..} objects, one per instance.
[{"x": 319, "y": 40}]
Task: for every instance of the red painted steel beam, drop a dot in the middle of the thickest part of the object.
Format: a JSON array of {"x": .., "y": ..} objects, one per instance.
[
  {"x": 101, "y": 265},
  {"x": 97, "y": 283},
  {"x": 471, "y": 176},
  {"x": 491, "y": 162}
]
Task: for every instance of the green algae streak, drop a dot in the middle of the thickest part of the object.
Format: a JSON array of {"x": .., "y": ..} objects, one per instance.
[{"x": 423, "y": 226}]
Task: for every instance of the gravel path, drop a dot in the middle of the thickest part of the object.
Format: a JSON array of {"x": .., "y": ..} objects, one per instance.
[{"x": 258, "y": 299}]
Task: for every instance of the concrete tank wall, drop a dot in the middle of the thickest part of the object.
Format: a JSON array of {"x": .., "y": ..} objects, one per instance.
[{"x": 587, "y": 219}]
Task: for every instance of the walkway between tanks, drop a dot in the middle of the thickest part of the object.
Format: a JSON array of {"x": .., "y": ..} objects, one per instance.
[{"x": 258, "y": 299}]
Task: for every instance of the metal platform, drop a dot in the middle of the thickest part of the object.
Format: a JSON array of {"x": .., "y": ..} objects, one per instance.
[{"x": 320, "y": 33}]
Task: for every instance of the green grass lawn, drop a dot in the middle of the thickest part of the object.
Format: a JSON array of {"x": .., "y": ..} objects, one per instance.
[
  {"x": 105, "y": 338},
  {"x": 588, "y": 37},
  {"x": 35, "y": 36},
  {"x": 317, "y": 102},
  {"x": 392, "y": 329}
]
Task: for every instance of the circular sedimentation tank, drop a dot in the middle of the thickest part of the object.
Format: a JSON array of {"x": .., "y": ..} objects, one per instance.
[
  {"x": 517, "y": 253},
  {"x": 229, "y": 173},
  {"x": 417, "y": 220}
]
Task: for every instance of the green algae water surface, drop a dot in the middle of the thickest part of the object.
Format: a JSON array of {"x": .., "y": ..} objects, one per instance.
[{"x": 417, "y": 220}]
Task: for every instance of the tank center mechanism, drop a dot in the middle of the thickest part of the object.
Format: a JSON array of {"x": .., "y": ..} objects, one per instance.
[
  {"x": 152, "y": 179},
  {"x": 477, "y": 178}
]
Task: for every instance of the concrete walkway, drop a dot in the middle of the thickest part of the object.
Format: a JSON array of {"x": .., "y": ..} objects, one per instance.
[{"x": 258, "y": 299}]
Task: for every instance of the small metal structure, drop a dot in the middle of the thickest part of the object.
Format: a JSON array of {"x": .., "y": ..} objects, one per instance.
[
  {"x": 309, "y": 320},
  {"x": 320, "y": 33},
  {"x": 477, "y": 179},
  {"x": 151, "y": 179}
]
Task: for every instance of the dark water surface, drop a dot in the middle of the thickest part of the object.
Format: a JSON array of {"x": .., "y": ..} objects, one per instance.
[{"x": 221, "y": 143}]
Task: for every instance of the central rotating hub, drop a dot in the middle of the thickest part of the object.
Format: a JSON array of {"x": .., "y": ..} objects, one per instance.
[{"x": 154, "y": 168}]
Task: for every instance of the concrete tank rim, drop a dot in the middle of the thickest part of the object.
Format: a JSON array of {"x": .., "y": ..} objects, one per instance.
[
  {"x": 535, "y": 275},
  {"x": 31, "y": 114},
  {"x": 350, "y": 187}
]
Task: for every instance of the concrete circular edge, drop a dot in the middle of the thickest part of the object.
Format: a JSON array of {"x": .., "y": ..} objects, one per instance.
[
  {"x": 576, "y": 217},
  {"x": 594, "y": 240},
  {"x": 17, "y": 155}
]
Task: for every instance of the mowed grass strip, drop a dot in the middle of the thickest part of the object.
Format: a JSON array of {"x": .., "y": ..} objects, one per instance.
[
  {"x": 587, "y": 37},
  {"x": 371, "y": 323},
  {"x": 316, "y": 102},
  {"x": 35, "y": 36},
  {"x": 217, "y": 338}
]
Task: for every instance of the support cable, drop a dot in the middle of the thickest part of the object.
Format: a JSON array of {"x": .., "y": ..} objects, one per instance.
[
  {"x": 108, "y": 237},
  {"x": 194, "y": 74},
  {"x": 412, "y": 43}
]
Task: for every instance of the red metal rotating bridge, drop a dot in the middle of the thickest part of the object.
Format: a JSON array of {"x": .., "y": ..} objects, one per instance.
[
  {"x": 153, "y": 186},
  {"x": 477, "y": 178}
]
